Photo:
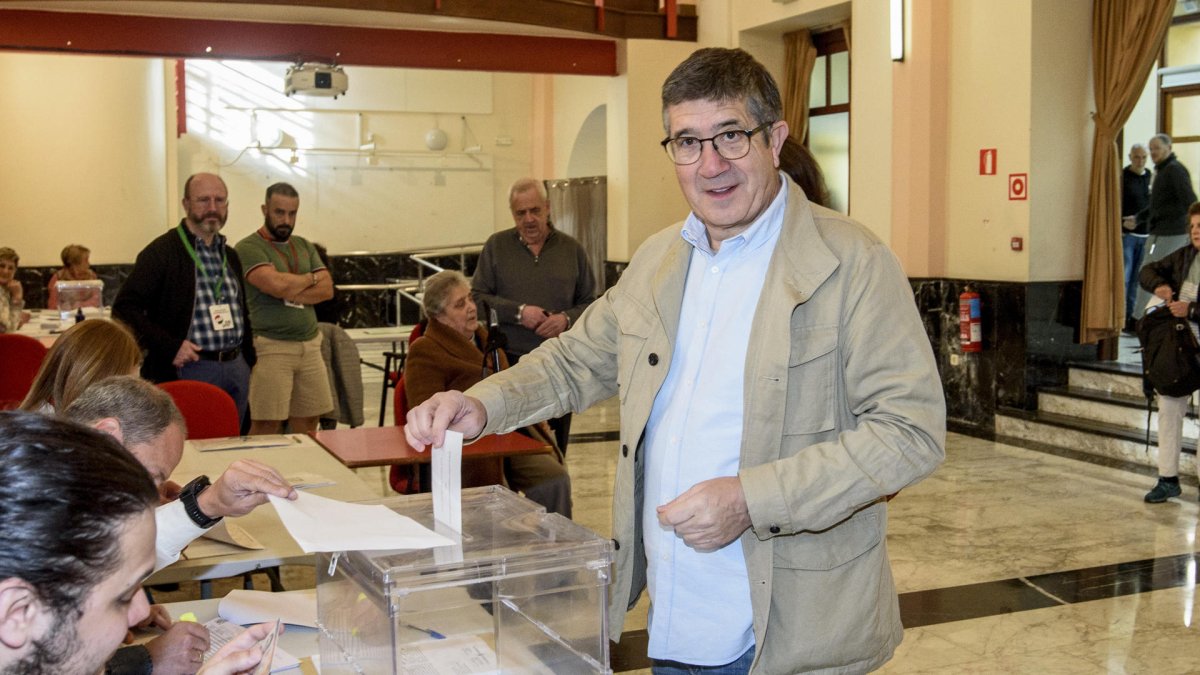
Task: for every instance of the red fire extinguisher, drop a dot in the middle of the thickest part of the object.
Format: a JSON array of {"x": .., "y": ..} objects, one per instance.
[{"x": 970, "y": 329}]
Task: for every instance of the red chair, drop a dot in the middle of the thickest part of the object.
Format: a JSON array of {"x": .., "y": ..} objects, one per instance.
[
  {"x": 405, "y": 479},
  {"x": 209, "y": 411},
  {"x": 20, "y": 360},
  {"x": 393, "y": 367}
]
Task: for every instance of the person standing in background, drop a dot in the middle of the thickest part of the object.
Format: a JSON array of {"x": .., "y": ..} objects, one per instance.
[
  {"x": 1171, "y": 194},
  {"x": 185, "y": 302},
  {"x": 284, "y": 279},
  {"x": 536, "y": 279},
  {"x": 1135, "y": 198}
]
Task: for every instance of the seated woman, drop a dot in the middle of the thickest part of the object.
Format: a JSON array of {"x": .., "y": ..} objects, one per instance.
[
  {"x": 84, "y": 354},
  {"x": 76, "y": 267},
  {"x": 450, "y": 356},
  {"x": 12, "y": 297}
]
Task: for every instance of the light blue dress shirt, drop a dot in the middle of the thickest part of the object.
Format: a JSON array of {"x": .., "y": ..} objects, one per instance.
[{"x": 700, "y": 610}]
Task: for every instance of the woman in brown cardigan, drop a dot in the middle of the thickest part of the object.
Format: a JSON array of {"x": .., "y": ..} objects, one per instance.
[{"x": 450, "y": 356}]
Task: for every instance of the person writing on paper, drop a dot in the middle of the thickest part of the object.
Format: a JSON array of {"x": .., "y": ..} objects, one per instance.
[
  {"x": 75, "y": 550},
  {"x": 145, "y": 419},
  {"x": 450, "y": 356},
  {"x": 76, "y": 267}
]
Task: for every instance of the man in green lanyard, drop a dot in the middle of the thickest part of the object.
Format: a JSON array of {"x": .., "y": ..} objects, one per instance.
[
  {"x": 185, "y": 301},
  {"x": 285, "y": 278}
]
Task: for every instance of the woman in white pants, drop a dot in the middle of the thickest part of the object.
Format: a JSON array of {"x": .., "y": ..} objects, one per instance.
[{"x": 1175, "y": 279}]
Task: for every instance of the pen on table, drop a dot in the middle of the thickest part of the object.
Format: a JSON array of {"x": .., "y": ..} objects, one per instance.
[{"x": 431, "y": 633}]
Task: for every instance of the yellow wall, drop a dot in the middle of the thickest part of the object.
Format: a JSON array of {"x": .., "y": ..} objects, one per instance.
[
  {"x": 83, "y": 141},
  {"x": 576, "y": 98},
  {"x": 990, "y": 52},
  {"x": 1060, "y": 139}
]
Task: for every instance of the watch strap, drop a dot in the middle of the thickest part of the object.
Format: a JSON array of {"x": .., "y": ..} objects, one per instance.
[{"x": 189, "y": 496}]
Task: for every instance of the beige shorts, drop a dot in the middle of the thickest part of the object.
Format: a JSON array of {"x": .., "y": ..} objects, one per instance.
[{"x": 289, "y": 380}]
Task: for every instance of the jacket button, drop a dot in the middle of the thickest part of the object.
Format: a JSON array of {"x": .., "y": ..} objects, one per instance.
[
  {"x": 624, "y": 450},
  {"x": 653, "y": 359},
  {"x": 774, "y": 529},
  {"x": 616, "y": 545}
]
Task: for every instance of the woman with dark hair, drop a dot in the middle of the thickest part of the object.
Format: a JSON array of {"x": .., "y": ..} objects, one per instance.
[
  {"x": 450, "y": 355},
  {"x": 796, "y": 161}
]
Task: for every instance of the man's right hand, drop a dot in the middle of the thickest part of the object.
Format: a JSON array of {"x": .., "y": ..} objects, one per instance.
[
  {"x": 243, "y": 486},
  {"x": 188, "y": 351},
  {"x": 1164, "y": 292},
  {"x": 180, "y": 650},
  {"x": 532, "y": 316},
  {"x": 428, "y": 422}
]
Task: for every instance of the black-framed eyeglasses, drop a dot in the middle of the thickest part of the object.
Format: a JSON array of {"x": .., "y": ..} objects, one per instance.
[{"x": 731, "y": 144}]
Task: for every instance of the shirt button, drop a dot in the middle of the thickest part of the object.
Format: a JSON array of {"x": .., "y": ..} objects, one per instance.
[
  {"x": 774, "y": 529},
  {"x": 715, "y": 269},
  {"x": 653, "y": 359}
]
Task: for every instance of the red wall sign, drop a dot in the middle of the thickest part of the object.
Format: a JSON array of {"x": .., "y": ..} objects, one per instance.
[
  {"x": 987, "y": 162},
  {"x": 1018, "y": 186}
]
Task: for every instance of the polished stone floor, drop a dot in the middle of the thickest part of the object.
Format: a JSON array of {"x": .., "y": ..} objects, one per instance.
[{"x": 1008, "y": 560}]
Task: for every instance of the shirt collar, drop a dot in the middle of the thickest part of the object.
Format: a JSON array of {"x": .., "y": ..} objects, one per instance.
[{"x": 760, "y": 231}]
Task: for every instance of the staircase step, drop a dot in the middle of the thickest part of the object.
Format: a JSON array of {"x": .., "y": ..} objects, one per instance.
[
  {"x": 1092, "y": 437},
  {"x": 1123, "y": 381}
]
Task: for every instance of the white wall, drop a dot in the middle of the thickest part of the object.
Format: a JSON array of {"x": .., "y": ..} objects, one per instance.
[
  {"x": 580, "y": 126},
  {"x": 404, "y": 195},
  {"x": 83, "y": 141}
]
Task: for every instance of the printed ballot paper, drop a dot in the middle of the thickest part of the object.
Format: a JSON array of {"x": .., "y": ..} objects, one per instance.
[
  {"x": 320, "y": 524},
  {"x": 447, "y": 481}
]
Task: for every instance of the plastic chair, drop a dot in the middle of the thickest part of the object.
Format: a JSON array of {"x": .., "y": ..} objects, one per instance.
[
  {"x": 404, "y": 478},
  {"x": 208, "y": 410},
  {"x": 20, "y": 360}
]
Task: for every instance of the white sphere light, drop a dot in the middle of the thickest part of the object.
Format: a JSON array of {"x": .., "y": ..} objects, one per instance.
[{"x": 436, "y": 140}]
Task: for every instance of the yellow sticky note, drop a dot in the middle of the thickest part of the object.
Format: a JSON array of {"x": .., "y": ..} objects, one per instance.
[{"x": 189, "y": 616}]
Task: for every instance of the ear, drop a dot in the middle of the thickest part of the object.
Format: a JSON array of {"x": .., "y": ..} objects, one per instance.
[
  {"x": 264, "y": 210},
  {"x": 779, "y": 134},
  {"x": 110, "y": 426},
  {"x": 19, "y": 614}
]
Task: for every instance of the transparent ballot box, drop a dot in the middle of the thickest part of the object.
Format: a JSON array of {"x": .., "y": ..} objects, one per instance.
[
  {"x": 525, "y": 592},
  {"x": 76, "y": 297}
]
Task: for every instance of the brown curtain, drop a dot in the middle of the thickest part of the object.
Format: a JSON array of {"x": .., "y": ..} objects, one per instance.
[
  {"x": 801, "y": 55},
  {"x": 1126, "y": 38}
]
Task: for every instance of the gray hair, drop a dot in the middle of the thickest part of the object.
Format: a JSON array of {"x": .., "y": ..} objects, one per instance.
[
  {"x": 144, "y": 410},
  {"x": 716, "y": 74},
  {"x": 1162, "y": 138},
  {"x": 525, "y": 185},
  {"x": 437, "y": 290}
]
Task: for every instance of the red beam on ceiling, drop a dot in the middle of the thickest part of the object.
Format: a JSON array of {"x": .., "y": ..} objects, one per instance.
[{"x": 72, "y": 32}]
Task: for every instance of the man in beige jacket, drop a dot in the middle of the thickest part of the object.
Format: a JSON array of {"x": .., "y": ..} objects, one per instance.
[{"x": 776, "y": 385}]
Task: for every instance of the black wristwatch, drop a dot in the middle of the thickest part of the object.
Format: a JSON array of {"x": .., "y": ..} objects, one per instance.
[{"x": 188, "y": 496}]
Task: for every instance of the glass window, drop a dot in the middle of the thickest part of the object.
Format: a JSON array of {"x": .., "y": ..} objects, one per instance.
[
  {"x": 816, "y": 87},
  {"x": 829, "y": 141},
  {"x": 839, "y": 78}
]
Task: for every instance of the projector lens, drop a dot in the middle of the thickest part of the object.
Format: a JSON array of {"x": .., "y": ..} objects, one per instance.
[{"x": 323, "y": 80}]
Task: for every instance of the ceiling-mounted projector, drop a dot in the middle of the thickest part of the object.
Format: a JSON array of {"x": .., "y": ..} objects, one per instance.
[{"x": 315, "y": 79}]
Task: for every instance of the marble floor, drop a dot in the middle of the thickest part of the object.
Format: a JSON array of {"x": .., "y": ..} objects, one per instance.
[{"x": 1007, "y": 559}]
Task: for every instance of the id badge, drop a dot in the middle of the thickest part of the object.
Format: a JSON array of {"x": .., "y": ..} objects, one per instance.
[
  {"x": 293, "y": 305},
  {"x": 222, "y": 316}
]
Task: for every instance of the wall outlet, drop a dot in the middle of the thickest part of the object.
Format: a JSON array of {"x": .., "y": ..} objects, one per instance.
[{"x": 954, "y": 359}]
